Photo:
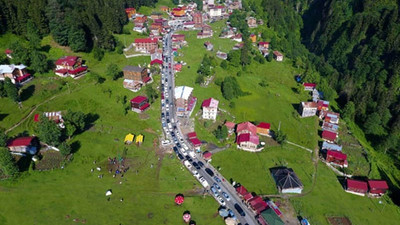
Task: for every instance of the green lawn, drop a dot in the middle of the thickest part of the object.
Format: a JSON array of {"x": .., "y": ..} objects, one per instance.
[
  {"x": 277, "y": 103},
  {"x": 49, "y": 197}
]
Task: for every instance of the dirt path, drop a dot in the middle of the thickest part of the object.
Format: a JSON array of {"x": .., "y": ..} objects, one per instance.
[{"x": 30, "y": 113}]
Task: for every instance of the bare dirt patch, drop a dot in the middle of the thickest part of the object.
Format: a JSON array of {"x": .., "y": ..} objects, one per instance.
[
  {"x": 335, "y": 220},
  {"x": 289, "y": 213}
]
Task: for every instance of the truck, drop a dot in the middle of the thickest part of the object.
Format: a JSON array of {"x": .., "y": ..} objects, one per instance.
[
  {"x": 191, "y": 153},
  {"x": 203, "y": 182},
  {"x": 187, "y": 164}
]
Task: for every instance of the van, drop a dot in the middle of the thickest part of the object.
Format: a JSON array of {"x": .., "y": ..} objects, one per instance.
[
  {"x": 209, "y": 171},
  {"x": 239, "y": 210}
]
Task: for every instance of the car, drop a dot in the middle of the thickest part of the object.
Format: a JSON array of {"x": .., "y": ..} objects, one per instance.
[
  {"x": 221, "y": 201},
  {"x": 195, "y": 173},
  {"x": 167, "y": 101},
  {"x": 226, "y": 196},
  {"x": 239, "y": 210},
  {"x": 214, "y": 191},
  {"x": 168, "y": 121},
  {"x": 162, "y": 115},
  {"x": 167, "y": 113},
  {"x": 172, "y": 134},
  {"x": 196, "y": 165},
  {"x": 201, "y": 164},
  {"x": 170, "y": 87},
  {"x": 209, "y": 171},
  {"x": 189, "y": 159},
  {"x": 217, "y": 187},
  {"x": 217, "y": 179},
  {"x": 180, "y": 156},
  {"x": 176, "y": 150}
]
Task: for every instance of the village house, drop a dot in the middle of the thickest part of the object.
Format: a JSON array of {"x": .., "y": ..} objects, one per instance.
[
  {"x": 222, "y": 55},
  {"x": 329, "y": 117},
  {"x": 329, "y": 136},
  {"x": 234, "y": 6},
  {"x": 329, "y": 146},
  {"x": 156, "y": 15},
  {"x": 140, "y": 21},
  {"x": 215, "y": 11},
  {"x": 130, "y": 12},
  {"x": 307, "y": 109},
  {"x": 207, "y": 156},
  {"x": 136, "y": 73},
  {"x": 70, "y": 66},
  {"x": 177, "y": 67},
  {"x": 263, "y": 47},
  {"x": 253, "y": 38},
  {"x": 278, "y": 56},
  {"x": 145, "y": 45},
  {"x": 309, "y": 86},
  {"x": 377, "y": 188},
  {"x": 53, "y": 116},
  {"x": 206, "y": 32},
  {"x": 315, "y": 95},
  {"x": 246, "y": 127},
  {"x": 23, "y": 145},
  {"x": 188, "y": 25},
  {"x": 237, "y": 37},
  {"x": 156, "y": 28},
  {"x": 356, "y": 187},
  {"x": 140, "y": 104},
  {"x": 208, "y": 46},
  {"x": 336, "y": 158},
  {"x": 194, "y": 141},
  {"x": 330, "y": 127},
  {"x": 251, "y": 22},
  {"x": 156, "y": 54},
  {"x": 17, "y": 73},
  {"x": 210, "y": 109},
  {"x": 322, "y": 105},
  {"x": 197, "y": 18},
  {"x": 178, "y": 12},
  {"x": 164, "y": 8},
  {"x": 286, "y": 180},
  {"x": 156, "y": 62},
  {"x": 230, "y": 126},
  {"x": 140, "y": 29},
  {"x": 238, "y": 46},
  {"x": 248, "y": 142},
  {"x": 227, "y": 32},
  {"x": 184, "y": 101},
  {"x": 263, "y": 128},
  {"x": 135, "y": 77},
  {"x": 178, "y": 38}
]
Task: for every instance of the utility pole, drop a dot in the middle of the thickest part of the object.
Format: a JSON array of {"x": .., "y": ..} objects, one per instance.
[{"x": 279, "y": 127}]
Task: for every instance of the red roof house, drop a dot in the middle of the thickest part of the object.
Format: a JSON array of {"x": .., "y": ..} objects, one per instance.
[
  {"x": 207, "y": 155},
  {"x": 23, "y": 145},
  {"x": 177, "y": 67},
  {"x": 263, "y": 44},
  {"x": 246, "y": 127},
  {"x": 377, "y": 187},
  {"x": 230, "y": 125},
  {"x": 140, "y": 104},
  {"x": 329, "y": 136},
  {"x": 196, "y": 143},
  {"x": 241, "y": 190},
  {"x": 248, "y": 141},
  {"x": 156, "y": 61},
  {"x": 309, "y": 86},
  {"x": 356, "y": 187},
  {"x": 248, "y": 196},
  {"x": 337, "y": 158},
  {"x": 192, "y": 135}
]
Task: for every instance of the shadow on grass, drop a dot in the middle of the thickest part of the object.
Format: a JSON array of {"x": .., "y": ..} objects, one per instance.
[
  {"x": 296, "y": 107},
  {"x": 90, "y": 119},
  {"x": 3, "y": 115},
  {"x": 45, "y": 48},
  {"x": 394, "y": 192},
  {"x": 75, "y": 146},
  {"x": 27, "y": 92},
  {"x": 23, "y": 163}
]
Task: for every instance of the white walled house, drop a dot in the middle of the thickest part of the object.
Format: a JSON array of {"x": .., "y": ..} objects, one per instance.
[{"x": 210, "y": 109}]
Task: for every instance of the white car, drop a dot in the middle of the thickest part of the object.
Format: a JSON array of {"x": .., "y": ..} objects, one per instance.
[{"x": 221, "y": 201}]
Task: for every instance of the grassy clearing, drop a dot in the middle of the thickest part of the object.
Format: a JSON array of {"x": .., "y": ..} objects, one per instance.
[{"x": 75, "y": 192}]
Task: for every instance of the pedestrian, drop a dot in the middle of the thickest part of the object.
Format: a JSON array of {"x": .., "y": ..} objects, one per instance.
[
  {"x": 94, "y": 162},
  {"x": 91, "y": 170}
]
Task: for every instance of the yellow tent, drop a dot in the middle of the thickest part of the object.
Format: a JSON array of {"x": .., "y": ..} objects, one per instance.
[
  {"x": 139, "y": 138},
  {"x": 129, "y": 138}
]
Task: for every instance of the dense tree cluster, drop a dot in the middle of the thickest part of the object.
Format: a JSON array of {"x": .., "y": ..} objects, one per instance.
[
  {"x": 206, "y": 68},
  {"x": 360, "y": 39},
  {"x": 230, "y": 88},
  {"x": 79, "y": 24}
]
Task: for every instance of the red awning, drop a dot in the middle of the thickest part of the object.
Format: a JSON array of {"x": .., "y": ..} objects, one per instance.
[
  {"x": 36, "y": 118},
  {"x": 195, "y": 142}
]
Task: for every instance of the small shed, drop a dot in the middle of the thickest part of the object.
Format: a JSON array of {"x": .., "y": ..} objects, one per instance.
[{"x": 207, "y": 155}]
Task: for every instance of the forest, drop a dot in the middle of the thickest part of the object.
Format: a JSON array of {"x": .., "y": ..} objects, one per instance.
[{"x": 80, "y": 24}]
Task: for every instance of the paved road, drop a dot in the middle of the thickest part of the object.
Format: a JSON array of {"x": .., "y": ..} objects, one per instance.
[{"x": 183, "y": 150}]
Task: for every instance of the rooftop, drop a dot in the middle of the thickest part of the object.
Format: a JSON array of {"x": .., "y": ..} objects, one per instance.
[{"x": 183, "y": 92}]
